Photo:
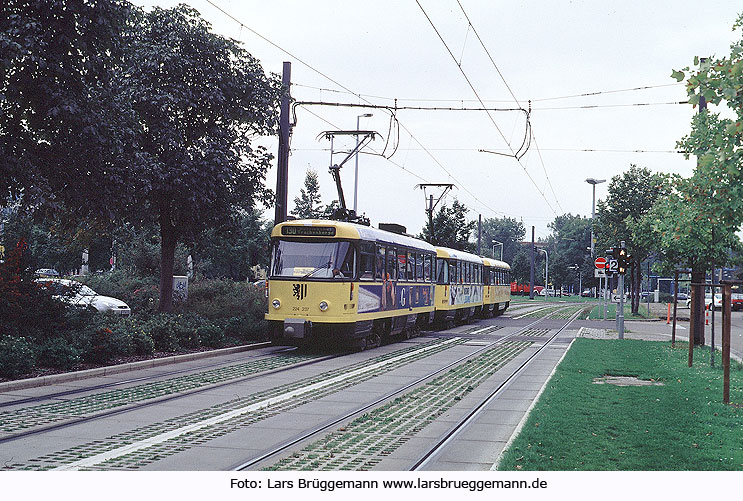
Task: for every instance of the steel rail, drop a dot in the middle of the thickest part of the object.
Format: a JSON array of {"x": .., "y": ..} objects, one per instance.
[
  {"x": 158, "y": 400},
  {"x": 103, "y": 386},
  {"x": 291, "y": 442},
  {"x": 474, "y": 413}
]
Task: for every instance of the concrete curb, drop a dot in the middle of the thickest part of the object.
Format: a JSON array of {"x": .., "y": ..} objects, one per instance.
[
  {"x": 22, "y": 384},
  {"x": 526, "y": 415}
]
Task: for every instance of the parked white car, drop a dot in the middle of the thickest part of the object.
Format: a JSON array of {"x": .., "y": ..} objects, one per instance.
[
  {"x": 708, "y": 301},
  {"x": 83, "y": 296}
]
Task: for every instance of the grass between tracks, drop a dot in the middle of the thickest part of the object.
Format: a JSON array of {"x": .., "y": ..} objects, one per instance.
[{"x": 682, "y": 425}]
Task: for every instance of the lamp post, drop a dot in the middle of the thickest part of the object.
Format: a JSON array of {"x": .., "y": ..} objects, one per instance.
[
  {"x": 356, "y": 169},
  {"x": 501, "y": 249},
  {"x": 593, "y": 182}
]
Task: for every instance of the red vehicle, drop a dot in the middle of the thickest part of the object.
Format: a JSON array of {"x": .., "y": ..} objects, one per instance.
[{"x": 523, "y": 289}]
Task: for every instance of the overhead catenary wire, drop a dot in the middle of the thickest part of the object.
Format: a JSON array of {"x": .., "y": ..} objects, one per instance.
[
  {"x": 460, "y": 100},
  {"x": 469, "y": 82},
  {"x": 531, "y": 132},
  {"x": 301, "y": 61}
]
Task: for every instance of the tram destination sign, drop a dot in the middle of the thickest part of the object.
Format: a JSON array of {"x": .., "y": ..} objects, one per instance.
[{"x": 308, "y": 231}]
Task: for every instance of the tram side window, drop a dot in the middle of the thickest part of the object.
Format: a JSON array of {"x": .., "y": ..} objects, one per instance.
[
  {"x": 410, "y": 266},
  {"x": 479, "y": 274},
  {"x": 391, "y": 263},
  {"x": 442, "y": 271},
  {"x": 426, "y": 268},
  {"x": 419, "y": 267},
  {"x": 348, "y": 265},
  {"x": 379, "y": 269},
  {"x": 366, "y": 270},
  {"x": 402, "y": 259}
]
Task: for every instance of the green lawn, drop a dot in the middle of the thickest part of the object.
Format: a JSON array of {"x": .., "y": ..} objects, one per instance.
[{"x": 682, "y": 425}]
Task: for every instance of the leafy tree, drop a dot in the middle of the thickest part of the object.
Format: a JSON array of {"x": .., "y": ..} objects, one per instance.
[
  {"x": 307, "y": 204},
  {"x": 451, "y": 228},
  {"x": 197, "y": 100},
  {"x": 58, "y": 134},
  {"x": 505, "y": 230},
  {"x": 567, "y": 248},
  {"x": 233, "y": 249},
  {"x": 712, "y": 200},
  {"x": 619, "y": 216}
]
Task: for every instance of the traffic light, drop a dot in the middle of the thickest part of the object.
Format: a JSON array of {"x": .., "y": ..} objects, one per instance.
[{"x": 622, "y": 258}]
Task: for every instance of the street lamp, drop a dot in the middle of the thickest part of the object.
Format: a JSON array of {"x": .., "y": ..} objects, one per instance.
[
  {"x": 546, "y": 268},
  {"x": 501, "y": 249},
  {"x": 356, "y": 170},
  {"x": 593, "y": 182}
]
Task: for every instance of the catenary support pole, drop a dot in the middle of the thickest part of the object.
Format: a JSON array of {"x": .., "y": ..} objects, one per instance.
[
  {"x": 531, "y": 269},
  {"x": 282, "y": 174}
]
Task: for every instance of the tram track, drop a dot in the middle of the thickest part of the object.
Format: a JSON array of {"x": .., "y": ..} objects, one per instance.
[
  {"x": 308, "y": 435},
  {"x": 46, "y": 418},
  {"x": 113, "y": 384},
  {"x": 157, "y": 441},
  {"x": 472, "y": 416}
]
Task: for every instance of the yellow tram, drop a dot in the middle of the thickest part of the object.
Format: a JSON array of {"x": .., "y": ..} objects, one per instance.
[
  {"x": 459, "y": 285},
  {"x": 333, "y": 282},
  {"x": 496, "y": 286}
]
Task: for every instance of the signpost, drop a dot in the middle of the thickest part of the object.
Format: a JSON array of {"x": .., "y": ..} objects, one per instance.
[{"x": 600, "y": 272}]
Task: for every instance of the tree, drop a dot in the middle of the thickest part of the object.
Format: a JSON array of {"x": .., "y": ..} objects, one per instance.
[
  {"x": 507, "y": 231},
  {"x": 231, "y": 250},
  {"x": 629, "y": 198},
  {"x": 451, "y": 228},
  {"x": 58, "y": 136},
  {"x": 710, "y": 201},
  {"x": 567, "y": 248},
  {"x": 197, "y": 100},
  {"x": 307, "y": 204}
]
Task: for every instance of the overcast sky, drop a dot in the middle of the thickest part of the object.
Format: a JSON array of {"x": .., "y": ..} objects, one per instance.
[{"x": 539, "y": 50}]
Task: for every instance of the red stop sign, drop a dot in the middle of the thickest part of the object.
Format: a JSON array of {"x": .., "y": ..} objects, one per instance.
[{"x": 600, "y": 263}]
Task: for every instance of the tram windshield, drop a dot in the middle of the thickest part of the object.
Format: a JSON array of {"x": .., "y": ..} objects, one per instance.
[{"x": 331, "y": 260}]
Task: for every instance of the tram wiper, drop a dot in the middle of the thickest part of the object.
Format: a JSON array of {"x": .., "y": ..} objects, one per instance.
[{"x": 324, "y": 265}]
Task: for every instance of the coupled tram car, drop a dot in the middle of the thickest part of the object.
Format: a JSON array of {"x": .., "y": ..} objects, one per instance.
[{"x": 348, "y": 285}]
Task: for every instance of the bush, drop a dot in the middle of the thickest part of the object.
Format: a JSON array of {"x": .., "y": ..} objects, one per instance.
[
  {"x": 211, "y": 335},
  {"x": 222, "y": 299},
  {"x": 59, "y": 353},
  {"x": 171, "y": 332},
  {"x": 16, "y": 356},
  {"x": 160, "y": 328}
]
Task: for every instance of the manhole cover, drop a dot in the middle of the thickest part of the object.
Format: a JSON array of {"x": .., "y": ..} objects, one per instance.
[{"x": 626, "y": 381}]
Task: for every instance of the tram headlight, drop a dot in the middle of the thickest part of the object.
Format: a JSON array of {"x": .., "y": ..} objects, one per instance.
[
  {"x": 323, "y": 305},
  {"x": 276, "y": 304}
]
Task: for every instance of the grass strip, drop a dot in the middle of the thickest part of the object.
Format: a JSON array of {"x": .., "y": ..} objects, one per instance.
[{"x": 681, "y": 425}]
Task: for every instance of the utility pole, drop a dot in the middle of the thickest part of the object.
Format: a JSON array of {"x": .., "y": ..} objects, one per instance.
[
  {"x": 432, "y": 206},
  {"x": 282, "y": 173},
  {"x": 479, "y": 234},
  {"x": 531, "y": 268}
]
